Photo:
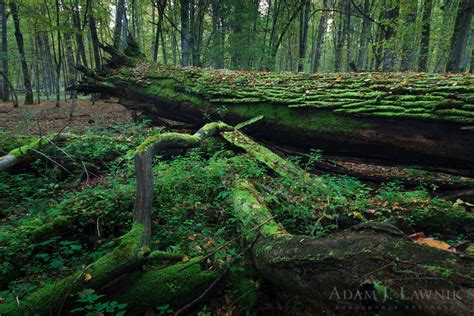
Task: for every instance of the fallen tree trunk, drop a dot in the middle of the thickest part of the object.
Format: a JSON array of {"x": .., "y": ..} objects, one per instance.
[
  {"x": 22, "y": 153},
  {"x": 371, "y": 267},
  {"x": 419, "y": 119}
]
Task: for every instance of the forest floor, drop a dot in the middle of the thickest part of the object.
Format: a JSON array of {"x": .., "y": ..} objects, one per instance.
[
  {"x": 78, "y": 118},
  {"x": 46, "y": 118},
  {"x": 82, "y": 198}
]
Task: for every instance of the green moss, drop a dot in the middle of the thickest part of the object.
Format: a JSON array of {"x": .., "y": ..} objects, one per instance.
[
  {"x": 9, "y": 142},
  {"x": 166, "y": 89},
  {"x": 263, "y": 154},
  {"x": 175, "y": 285},
  {"x": 251, "y": 212},
  {"x": 317, "y": 121},
  {"x": 48, "y": 299},
  {"x": 244, "y": 290}
]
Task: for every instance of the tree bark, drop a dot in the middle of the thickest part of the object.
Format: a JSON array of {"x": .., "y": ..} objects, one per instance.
[
  {"x": 303, "y": 34},
  {"x": 425, "y": 36},
  {"x": 185, "y": 35},
  {"x": 3, "y": 17},
  {"x": 316, "y": 58},
  {"x": 218, "y": 58},
  {"x": 76, "y": 21},
  {"x": 95, "y": 39},
  {"x": 21, "y": 49},
  {"x": 408, "y": 12},
  {"x": 161, "y": 5},
  {"x": 363, "y": 39},
  {"x": 119, "y": 15},
  {"x": 462, "y": 27}
]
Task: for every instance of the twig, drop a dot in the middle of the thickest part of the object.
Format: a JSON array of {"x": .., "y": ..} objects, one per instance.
[
  {"x": 204, "y": 294},
  {"x": 51, "y": 159}
]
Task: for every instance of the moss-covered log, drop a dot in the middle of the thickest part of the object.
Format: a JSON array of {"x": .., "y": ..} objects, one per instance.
[
  {"x": 17, "y": 155},
  {"x": 424, "y": 119},
  {"x": 372, "y": 266}
]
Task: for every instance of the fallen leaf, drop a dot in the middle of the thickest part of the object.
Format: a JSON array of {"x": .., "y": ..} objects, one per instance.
[
  {"x": 87, "y": 277},
  {"x": 185, "y": 259},
  {"x": 420, "y": 238}
]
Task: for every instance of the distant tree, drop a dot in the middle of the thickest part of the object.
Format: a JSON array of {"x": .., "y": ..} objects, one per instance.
[
  {"x": 21, "y": 50},
  {"x": 4, "y": 50},
  {"x": 425, "y": 35},
  {"x": 462, "y": 27}
]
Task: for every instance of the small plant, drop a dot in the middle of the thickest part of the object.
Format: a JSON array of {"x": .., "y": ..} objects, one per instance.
[{"x": 92, "y": 305}]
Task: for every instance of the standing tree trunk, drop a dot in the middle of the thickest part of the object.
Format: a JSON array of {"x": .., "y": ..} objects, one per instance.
[
  {"x": 120, "y": 12},
  {"x": 3, "y": 17},
  {"x": 217, "y": 59},
  {"x": 363, "y": 40},
  {"x": 347, "y": 34},
  {"x": 319, "y": 40},
  {"x": 94, "y": 37},
  {"x": 391, "y": 13},
  {"x": 462, "y": 27},
  {"x": 425, "y": 36},
  {"x": 303, "y": 36},
  {"x": 408, "y": 11},
  {"x": 21, "y": 50},
  {"x": 339, "y": 37},
  {"x": 59, "y": 58},
  {"x": 161, "y": 5},
  {"x": 185, "y": 35},
  {"x": 76, "y": 21}
]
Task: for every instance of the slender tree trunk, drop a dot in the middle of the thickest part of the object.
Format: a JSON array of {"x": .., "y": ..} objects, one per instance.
[
  {"x": 303, "y": 36},
  {"x": 76, "y": 21},
  {"x": 161, "y": 5},
  {"x": 347, "y": 35},
  {"x": 320, "y": 39},
  {"x": 409, "y": 12},
  {"x": 59, "y": 57},
  {"x": 185, "y": 36},
  {"x": 21, "y": 50},
  {"x": 49, "y": 67},
  {"x": 339, "y": 38},
  {"x": 34, "y": 44},
  {"x": 3, "y": 17},
  {"x": 217, "y": 60},
  {"x": 94, "y": 38},
  {"x": 459, "y": 40},
  {"x": 390, "y": 14},
  {"x": 125, "y": 31},
  {"x": 425, "y": 36},
  {"x": 119, "y": 14},
  {"x": 363, "y": 39},
  {"x": 70, "y": 63}
]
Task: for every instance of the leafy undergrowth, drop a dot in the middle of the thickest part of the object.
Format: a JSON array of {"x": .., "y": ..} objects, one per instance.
[{"x": 57, "y": 217}]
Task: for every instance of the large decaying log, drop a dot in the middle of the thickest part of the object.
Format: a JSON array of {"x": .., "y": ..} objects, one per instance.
[
  {"x": 369, "y": 267},
  {"x": 411, "y": 118}
]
